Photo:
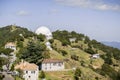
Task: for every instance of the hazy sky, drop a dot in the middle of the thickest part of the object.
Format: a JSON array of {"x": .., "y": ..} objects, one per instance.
[{"x": 99, "y": 19}]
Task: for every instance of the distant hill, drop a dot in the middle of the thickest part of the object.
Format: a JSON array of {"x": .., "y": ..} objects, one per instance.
[{"x": 112, "y": 44}]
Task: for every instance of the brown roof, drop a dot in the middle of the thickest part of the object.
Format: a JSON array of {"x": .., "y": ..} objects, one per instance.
[
  {"x": 51, "y": 60},
  {"x": 26, "y": 66},
  {"x": 10, "y": 44}
]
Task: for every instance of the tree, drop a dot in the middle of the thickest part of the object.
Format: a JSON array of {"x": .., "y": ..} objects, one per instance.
[
  {"x": 77, "y": 74},
  {"x": 74, "y": 57},
  {"x": 89, "y": 50},
  {"x": 65, "y": 42},
  {"x": 33, "y": 52},
  {"x": 118, "y": 74},
  {"x": 3, "y": 61},
  {"x": 42, "y": 75},
  {"x": 41, "y": 37},
  {"x": 110, "y": 71},
  {"x": 63, "y": 52},
  {"x": 46, "y": 54},
  {"x": 51, "y": 41},
  {"x": 20, "y": 73},
  {"x": 20, "y": 44},
  {"x": 86, "y": 39},
  {"x": 7, "y": 51},
  {"x": 1, "y": 77}
]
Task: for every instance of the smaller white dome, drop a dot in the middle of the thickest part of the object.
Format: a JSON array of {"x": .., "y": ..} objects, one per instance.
[
  {"x": 45, "y": 31},
  {"x": 48, "y": 44}
]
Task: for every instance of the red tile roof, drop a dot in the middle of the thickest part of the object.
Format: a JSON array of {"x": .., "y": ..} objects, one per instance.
[
  {"x": 51, "y": 60},
  {"x": 26, "y": 66}
]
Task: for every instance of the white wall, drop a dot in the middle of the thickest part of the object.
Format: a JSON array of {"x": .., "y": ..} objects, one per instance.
[
  {"x": 52, "y": 66},
  {"x": 11, "y": 47},
  {"x": 31, "y": 76}
]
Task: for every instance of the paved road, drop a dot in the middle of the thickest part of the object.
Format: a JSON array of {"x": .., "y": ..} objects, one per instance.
[{"x": 7, "y": 76}]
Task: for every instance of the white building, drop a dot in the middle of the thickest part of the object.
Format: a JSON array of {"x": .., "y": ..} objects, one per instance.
[
  {"x": 11, "y": 45},
  {"x": 72, "y": 39},
  {"x": 30, "y": 70},
  {"x": 95, "y": 56},
  {"x": 48, "y": 45},
  {"x": 45, "y": 31},
  {"x": 52, "y": 65}
]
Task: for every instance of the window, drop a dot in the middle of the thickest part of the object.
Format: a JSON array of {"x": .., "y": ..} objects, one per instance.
[
  {"x": 33, "y": 72},
  {"x": 46, "y": 68},
  {"x": 26, "y": 72},
  {"x": 45, "y": 64},
  {"x": 54, "y": 64},
  {"x": 59, "y": 64}
]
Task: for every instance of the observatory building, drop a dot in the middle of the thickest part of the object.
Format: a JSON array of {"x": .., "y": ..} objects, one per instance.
[{"x": 45, "y": 31}]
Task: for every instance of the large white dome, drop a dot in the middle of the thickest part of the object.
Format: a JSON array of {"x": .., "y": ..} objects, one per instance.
[{"x": 45, "y": 31}]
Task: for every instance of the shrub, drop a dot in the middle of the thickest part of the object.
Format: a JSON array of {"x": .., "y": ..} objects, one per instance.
[
  {"x": 89, "y": 50},
  {"x": 74, "y": 57},
  {"x": 77, "y": 74},
  {"x": 63, "y": 52},
  {"x": 42, "y": 75},
  {"x": 51, "y": 41}
]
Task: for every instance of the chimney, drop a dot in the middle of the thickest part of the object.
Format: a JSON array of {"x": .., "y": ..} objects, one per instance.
[
  {"x": 24, "y": 64},
  {"x": 22, "y": 61}
]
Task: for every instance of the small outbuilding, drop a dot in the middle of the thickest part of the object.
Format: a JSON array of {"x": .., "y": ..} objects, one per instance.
[
  {"x": 72, "y": 39},
  {"x": 95, "y": 56}
]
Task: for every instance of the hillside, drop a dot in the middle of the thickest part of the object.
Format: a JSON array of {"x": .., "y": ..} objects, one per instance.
[
  {"x": 13, "y": 33},
  {"x": 76, "y": 53}
]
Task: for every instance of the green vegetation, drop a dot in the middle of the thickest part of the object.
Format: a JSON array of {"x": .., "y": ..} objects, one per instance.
[
  {"x": 42, "y": 75},
  {"x": 77, "y": 74},
  {"x": 41, "y": 37},
  {"x": 31, "y": 48},
  {"x": 11, "y": 33},
  {"x": 33, "y": 52},
  {"x": 63, "y": 52},
  {"x": 6, "y": 51},
  {"x": 1, "y": 77},
  {"x": 74, "y": 57}
]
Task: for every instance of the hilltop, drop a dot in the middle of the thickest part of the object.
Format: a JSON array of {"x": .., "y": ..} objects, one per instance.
[{"x": 75, "y": 49}]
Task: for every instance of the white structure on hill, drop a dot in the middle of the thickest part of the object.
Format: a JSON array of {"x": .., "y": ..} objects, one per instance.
[
  {"x": 72, "y": 39},
  {"x": 45, "y": 31},
  {"x": 52, "y": 65},
  {"x": 10, "y": 45},
  {"x": 48, "y": 45},
  {"x": 95, "y": 56},
  {"x": 31, "y": 71}
]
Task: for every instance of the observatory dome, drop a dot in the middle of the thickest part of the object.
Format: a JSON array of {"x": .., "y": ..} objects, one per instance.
[{"x": 45, "y": 31}]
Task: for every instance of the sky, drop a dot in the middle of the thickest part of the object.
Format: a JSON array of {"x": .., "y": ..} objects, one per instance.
[{"x": 99, "y": 19}]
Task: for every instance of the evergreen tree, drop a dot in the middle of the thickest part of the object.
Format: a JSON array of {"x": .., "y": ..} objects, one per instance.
[
  {"x": 33, "y": 52},
  {"x": 42, "y": 75},
  {"x": 77, "y": 74}
]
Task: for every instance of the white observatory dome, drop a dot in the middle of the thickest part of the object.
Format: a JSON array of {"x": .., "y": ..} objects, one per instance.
[{"x": 45, "y": 31}]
